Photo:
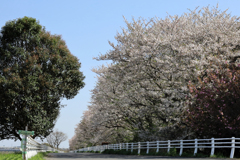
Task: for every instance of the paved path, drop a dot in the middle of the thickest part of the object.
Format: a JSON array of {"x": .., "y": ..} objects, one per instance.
[{"x": 96, "y": 156}]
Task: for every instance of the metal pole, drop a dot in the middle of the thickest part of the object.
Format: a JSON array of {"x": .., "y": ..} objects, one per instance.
[{"x": 25, "y": 145}]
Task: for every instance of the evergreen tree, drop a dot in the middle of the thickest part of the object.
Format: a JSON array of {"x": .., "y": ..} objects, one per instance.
[{"x": 36, "y": 71}]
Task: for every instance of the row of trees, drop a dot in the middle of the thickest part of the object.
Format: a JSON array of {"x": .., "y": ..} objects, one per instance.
[{"x": 172, "y": 78}]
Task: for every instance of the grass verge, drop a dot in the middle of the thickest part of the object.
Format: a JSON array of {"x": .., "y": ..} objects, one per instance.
[
  {"x": 172, "y": 153},
  {"x": 18, "y": 156}
]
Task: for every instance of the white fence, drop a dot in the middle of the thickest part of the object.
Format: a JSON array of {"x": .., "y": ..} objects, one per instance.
[
  {"x": 194, "y": 143},
  {"x": 33, "y": 147}
]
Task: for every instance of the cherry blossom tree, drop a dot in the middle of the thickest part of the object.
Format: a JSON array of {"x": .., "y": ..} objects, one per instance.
[
  {"x": 145, "y": 89},
  {"x": 157, "y": 59},
  {"x": 215, "y": 111}
]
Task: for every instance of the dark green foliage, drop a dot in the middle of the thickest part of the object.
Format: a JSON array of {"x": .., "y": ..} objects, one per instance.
[
  {"x": 201, "y": 155},
  {"x": 88, "y": 152},
  {"x": 51, "y": 152},
  {"x": 173, "y": 152},
  {"x": 36, "y": 71},
  {"x": 161, "y": 154},
  {"x": 123, "y": 152},
  {"x": 185, "y": 154}
]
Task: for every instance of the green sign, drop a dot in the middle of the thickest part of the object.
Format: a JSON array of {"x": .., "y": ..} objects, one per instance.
[
  {"x": 24, "y": 141},
  {"x": 26, "y": 132}
]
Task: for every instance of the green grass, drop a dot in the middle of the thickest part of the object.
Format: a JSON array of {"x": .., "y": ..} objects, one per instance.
[
  {"x": 39, "y": 156},
  {"x": 18, "y": 156},
  {"x": 218, "y": 155},
  {"x": 52, "y": 152},
  {"x": 11, "y": 156},
  {"x": 88, "y": 152},
  {"x": 173, "y": 152}
]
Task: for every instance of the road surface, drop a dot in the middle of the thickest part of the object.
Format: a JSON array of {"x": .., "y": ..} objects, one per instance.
[{"x": 97, "y": 156}]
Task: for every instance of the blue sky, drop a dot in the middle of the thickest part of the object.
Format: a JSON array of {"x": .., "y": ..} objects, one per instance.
[{"x": 87, "y": 26}]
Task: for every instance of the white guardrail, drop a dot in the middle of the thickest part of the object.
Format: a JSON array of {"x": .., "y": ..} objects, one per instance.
[
  {"x": 194, "y": 143},
  {"x": 33, "y": 147}
]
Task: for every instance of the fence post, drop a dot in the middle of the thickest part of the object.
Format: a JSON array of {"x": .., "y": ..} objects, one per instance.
[
  {"x": 196, "y": 147},
  {"x": 132, "y": 148},
  {"x": 212, "y": 150},
  {"x": 147, "y": 147},
  {"x": 181, "y": 147},
  {"x": 233, "y": 147},
  {"x": 126, "y": 146},
  {"x": 157, "y": 147},
  {"x": 139, "y": 147},
  {"x": 169, "y": 145},
  {"x": 120, "y": 146},
  {"x": 114, "y": 147}
]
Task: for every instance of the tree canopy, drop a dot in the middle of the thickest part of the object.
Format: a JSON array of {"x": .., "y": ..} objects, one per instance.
[{"x": 37, "y": 70}]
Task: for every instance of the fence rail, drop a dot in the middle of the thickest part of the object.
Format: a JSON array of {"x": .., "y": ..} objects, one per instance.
[
  {"x": 194, "y": 143},
  {"x": 33, "y": 147}
]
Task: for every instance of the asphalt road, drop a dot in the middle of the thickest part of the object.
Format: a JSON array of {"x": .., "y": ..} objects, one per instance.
[{"x": 96, "y": 156}]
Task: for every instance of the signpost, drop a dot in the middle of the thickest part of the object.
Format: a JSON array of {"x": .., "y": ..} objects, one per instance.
[
  {"x": 26, "y": 132},
  {"x": 24, "y": 140}
]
